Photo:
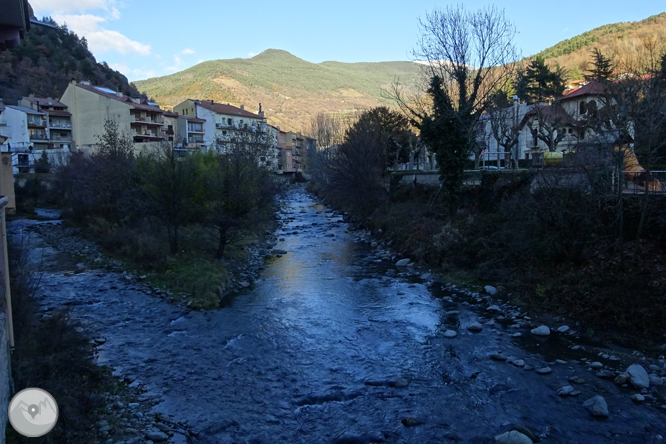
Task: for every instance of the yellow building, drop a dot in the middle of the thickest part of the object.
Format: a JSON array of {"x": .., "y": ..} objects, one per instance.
[{"x": 91, "y": 106}]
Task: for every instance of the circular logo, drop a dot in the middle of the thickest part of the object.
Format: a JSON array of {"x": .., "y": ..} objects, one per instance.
[{"x": 33, "y": 412}]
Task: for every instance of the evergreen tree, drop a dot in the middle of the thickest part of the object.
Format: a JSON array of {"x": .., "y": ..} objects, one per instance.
[
  {"x": 539, "y": 83},
  {"x": 602, "y": 68}
]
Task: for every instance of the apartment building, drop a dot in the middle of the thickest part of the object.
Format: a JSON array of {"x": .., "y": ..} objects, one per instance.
[{"x": 91, "y": 106}]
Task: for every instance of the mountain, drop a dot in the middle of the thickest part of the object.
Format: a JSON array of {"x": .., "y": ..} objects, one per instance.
[
  {"x": 46, "y": 61},
  {"x": 290, "y": 89},
  {"x": 624, "y": 43}
]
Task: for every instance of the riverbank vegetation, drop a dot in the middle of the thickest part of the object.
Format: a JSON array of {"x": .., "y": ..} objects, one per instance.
[
  {"x": 565, "y": 240},
  {"x": 176, "y": 218},
  {"x": 52, "y": 354}
]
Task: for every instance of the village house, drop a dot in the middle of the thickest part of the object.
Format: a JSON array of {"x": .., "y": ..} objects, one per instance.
[
  {"x": 91, "y": 106},
  {"x": 212, "y": 125}
]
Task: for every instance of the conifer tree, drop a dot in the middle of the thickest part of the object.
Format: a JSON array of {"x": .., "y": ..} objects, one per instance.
[
  {"x": 602, "y": 67},
  {"x": 539, "y": 83}
]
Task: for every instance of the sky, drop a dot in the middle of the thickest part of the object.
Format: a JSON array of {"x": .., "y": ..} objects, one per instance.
[{"x": 145, "y": 39}]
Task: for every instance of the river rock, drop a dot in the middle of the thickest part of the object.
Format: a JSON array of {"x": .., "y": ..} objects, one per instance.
[
  {"x": 596, "y": 365},
  {"x": 403, "y": 262},
  {"x": 494, "y": 308},
  {"x": 563, "y": 329},
  {"x": 490, "y": 290},
  {"x": 566, "y": 390},
  {"x": 544, "y": 371},
  {"x": 638, "y": 398},
  {"x": 450, "y": 334},
  {"x": 541, "y": 331},
  {"x": 513, "y": 437},
  {"x": 498, "y": 357},
  {"x": 411, "y": 422},
  {"x": 156, "y": 436},
  {"x": 656, "y": 380},
  {"x": 518, "y": 363},
  {"x": 597, "y": 406},
  {"x": 374, "y": 245},
  {"x": 638, "y": 377},
  {"x": 474, "y": 327}
]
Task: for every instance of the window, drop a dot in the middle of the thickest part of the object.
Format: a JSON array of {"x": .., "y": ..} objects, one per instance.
[
  {"x": 228, "y": 121},
  {"x": 583, "y": 108},
  {"x": 170, "y": 127},
  {"x": 224, "y": 132},
  {"x": 262, "y": 158}
]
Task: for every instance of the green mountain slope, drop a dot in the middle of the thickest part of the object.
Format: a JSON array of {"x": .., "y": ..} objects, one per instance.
[{"x": 291, "y": 90}]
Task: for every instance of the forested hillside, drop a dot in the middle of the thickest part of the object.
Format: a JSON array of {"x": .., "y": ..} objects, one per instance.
[
  {"x": 625, "y": 43},
  {"x": 290, "y": 89},
  {"x": 47, "y": 60}
]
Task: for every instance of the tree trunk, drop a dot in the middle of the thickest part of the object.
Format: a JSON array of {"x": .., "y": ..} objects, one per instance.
[{"x": 222, "y": 232}]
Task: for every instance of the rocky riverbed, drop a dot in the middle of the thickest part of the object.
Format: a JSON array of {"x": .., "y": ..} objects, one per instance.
[{"x": 335, "y": 343}]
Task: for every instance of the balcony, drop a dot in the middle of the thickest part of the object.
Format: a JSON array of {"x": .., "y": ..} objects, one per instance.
[
  {"x": 60, "y": 125},
  {"x": 61, "y": 139},
  {"x": 147, "y": 120},
  {"x": 147, "y": 134},
  {"x": 195, "y": 129},
  {"x": 38, "y": 137},
  {"x": 39, "y": 123}
]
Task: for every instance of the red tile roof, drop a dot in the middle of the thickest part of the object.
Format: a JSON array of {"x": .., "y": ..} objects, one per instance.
[
  {"x": 45, "y": 101},
  {"x": 226, "y": 109},
  {"x": 591, "y": 89},
  {"x": 125, "y": 99}
]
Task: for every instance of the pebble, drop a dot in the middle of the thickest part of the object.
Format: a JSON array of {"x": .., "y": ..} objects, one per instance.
[
  {"x": 563, "y": 329},
  {"x": 403, "y": 262},
  {"x": 498, "y": 357},
  {"x": 517, "y": 335},
  {"x": 596, "y": 365},
  {"x": 544, "y": 371},
  {"x": 638, "y": 397},
  {"x": 493, "y": 308},
  {"x": 541, "y": 331},
  {"x": 450, "y": 334},
  {"x": 518, "y": 363}
]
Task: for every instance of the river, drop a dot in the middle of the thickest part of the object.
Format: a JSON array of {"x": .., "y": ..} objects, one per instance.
[{"x": 330, "y": 346}]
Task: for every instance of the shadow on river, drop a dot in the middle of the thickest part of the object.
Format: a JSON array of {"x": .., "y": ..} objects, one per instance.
[{"x": 329, "y": 346}]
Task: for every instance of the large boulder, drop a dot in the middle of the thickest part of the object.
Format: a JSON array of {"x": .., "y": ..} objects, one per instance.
[
  {"x": 513, "y": 437},
  {"x": 638, "y": 377},
  {"x": 597, "y": 406}
]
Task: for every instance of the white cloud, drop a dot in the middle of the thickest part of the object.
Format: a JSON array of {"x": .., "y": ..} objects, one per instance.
[
  {"x": 64, "y": 6},
  {"x": 200, "y": 61},
  {"x": 121, "y": 67},
  {"x": 143, "y": 74},
  {"x": 178, "y": 62},
  {"x": 252, "y": 54},
  {"x": 115, "y": 14},
  {"x": 101, "y": 40}
]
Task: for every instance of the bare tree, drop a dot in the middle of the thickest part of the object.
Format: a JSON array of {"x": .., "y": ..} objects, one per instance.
[
  {"x": 468, "y": 56},
  {"x": 550, "y": 124}
]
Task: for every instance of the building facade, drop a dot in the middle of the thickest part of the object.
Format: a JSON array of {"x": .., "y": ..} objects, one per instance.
[{"x": 91, "y": 106}]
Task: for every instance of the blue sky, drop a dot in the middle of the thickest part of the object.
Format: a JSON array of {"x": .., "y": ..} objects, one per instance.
[{"x": 147, "y": 38}]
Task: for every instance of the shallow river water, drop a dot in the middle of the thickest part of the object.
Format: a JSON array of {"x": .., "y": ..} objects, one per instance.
[{"x": 329, "y": 346}]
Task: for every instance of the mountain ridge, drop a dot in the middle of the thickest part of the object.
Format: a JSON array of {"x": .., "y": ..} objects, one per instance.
[{"x": 293, "y": 90}]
